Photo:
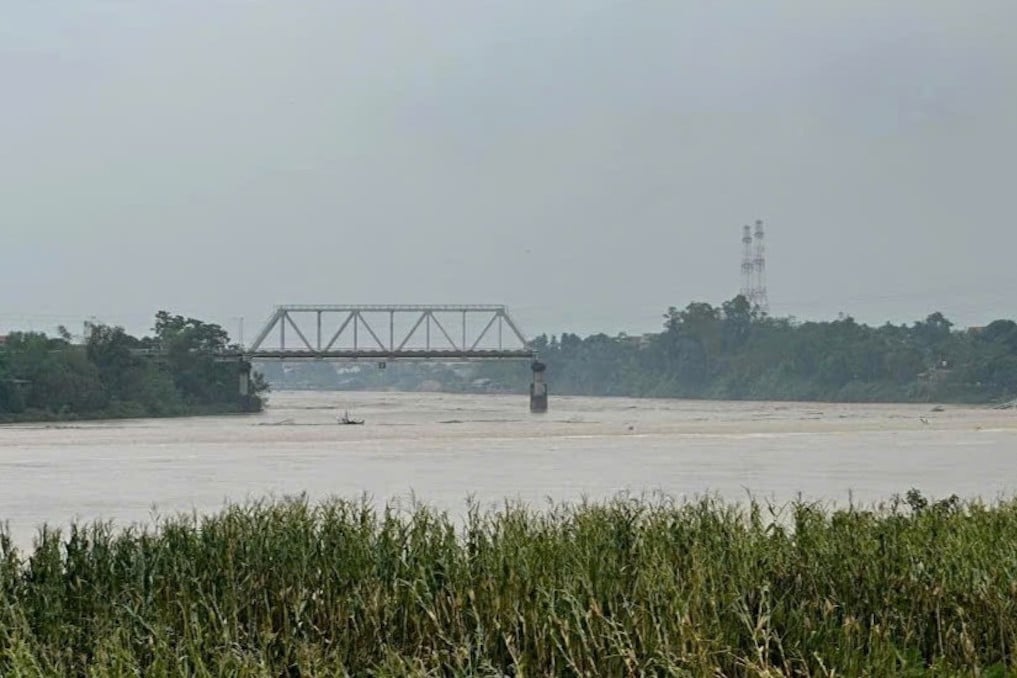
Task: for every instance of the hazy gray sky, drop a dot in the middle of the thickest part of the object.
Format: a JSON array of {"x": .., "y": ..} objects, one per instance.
[{"x": 587, "y": 163}]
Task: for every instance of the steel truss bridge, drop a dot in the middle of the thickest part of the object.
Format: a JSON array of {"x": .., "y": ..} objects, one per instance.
[{"x": 382, "y": 333}]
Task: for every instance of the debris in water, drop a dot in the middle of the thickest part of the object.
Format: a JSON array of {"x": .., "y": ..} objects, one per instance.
[{"x": 284, "y": 422}]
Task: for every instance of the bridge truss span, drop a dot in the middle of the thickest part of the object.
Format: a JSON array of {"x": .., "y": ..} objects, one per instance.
[{"x": 390, "y": 332}]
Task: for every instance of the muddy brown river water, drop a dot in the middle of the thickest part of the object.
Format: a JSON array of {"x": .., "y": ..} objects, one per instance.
[{"x": 444, "y": 448}]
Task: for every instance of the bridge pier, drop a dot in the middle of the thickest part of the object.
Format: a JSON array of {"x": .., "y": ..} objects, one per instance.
[
  {"x": 245, "y": 384},
  {"x": 245, "y": 378},
  {"x": 538, "y": 388}
]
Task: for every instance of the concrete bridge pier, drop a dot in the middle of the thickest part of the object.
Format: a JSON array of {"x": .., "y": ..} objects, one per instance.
[
  {"x": 245, "y": 378},
  {"x": 245, "y": 385},
  {"x": 538, "y": 388}
]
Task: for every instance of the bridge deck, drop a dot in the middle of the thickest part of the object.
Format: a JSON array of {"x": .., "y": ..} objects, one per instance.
[{"x": 361, "y": 354}]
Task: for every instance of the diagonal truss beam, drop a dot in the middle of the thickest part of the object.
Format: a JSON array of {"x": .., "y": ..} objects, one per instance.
[
  {"x": 413, "y": 331},
  {"x": 515, "y": 329},
  {"x": 442, "y": 328},
  {"x": 367, "y": 327},
  {"x": 338, "y": 332},
  {"x": 287, "y": 318},
  {"x": 483, "y": 334},
  {"x": 273, "y": 320}
]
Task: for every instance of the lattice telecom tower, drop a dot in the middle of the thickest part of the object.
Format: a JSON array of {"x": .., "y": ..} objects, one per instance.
[
  {"x": 747, "y": 266},
  {"x": 760, "y": 262},
  {"x": 754, "y": 267}
]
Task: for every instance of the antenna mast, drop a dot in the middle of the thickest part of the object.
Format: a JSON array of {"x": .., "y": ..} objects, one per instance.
[
  {"x": 759, "y": 264},
  {"x": 747, "y": 290}
]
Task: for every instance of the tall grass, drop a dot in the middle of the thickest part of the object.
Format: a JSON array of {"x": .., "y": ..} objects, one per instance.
[{"x": 628, "y": 587}]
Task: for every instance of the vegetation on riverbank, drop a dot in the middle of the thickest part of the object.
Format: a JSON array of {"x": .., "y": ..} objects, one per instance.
[
  {"x": 629, "y": 587},
  {"x": 734, "y": 352},
  {"x": 116, "y": 375}
]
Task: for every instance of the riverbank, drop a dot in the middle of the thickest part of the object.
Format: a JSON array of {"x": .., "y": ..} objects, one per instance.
[
  {"x": 125, "y": 413},
  {"x": 116, "y": 376},
  {"x": 619, "y": 588}
]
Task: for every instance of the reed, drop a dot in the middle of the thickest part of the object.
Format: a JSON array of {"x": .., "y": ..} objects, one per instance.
[{"x": 625, "y": 587}]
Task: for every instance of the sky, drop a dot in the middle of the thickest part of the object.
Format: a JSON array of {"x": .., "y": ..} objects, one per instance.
[{"x": 586, "y": 162}]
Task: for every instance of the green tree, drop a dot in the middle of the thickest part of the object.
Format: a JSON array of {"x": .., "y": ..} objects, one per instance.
[
  {"x": 56, "y": 377},
  {"x": 190, "y": 349},
  {"x": 738, "y": 317},
  {"x": 114, "y": 374}
]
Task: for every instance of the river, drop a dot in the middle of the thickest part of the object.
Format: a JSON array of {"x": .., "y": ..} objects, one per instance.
[{"x": 444, "y": 448}]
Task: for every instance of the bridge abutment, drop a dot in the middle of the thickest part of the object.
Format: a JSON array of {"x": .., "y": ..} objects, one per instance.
[
  {"x": 244, "y": 379},
  {"x": 538, "y": 388}
]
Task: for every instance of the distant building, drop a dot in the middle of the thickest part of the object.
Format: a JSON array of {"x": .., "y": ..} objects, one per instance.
[{"x": 641, "y": 341}]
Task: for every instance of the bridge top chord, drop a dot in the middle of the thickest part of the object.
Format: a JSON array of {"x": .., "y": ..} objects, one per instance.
[{"x": 398, "y": 308}]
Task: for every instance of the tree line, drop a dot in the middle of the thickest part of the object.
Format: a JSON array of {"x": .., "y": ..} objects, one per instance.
[
  {"x": 114, "y": 374},
  {"x": 734, "y": 351}
]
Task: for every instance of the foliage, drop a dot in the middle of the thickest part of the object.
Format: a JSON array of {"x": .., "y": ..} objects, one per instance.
[
  {"x": 736, "y": 352},
  {"x": 628, "y": 587},
  {"x": 115, "y": 374}
]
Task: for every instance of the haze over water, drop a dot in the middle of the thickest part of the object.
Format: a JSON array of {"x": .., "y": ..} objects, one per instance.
[{"x": 445, "y": 448}]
